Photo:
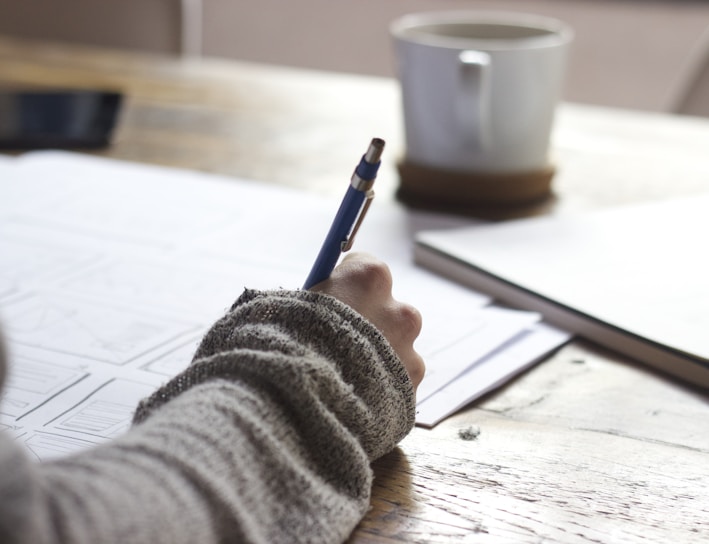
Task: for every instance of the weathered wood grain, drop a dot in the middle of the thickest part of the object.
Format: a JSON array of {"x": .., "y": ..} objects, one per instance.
[{"x": 565, "y": 454}]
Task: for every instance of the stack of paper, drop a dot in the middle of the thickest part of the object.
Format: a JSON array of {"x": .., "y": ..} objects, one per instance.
[{"x": 110, "y": 273}]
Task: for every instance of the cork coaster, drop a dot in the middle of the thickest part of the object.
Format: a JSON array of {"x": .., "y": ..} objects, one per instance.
[{"x": 464, "y": 192}]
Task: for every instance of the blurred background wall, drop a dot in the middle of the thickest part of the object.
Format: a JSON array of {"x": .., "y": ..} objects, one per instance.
[{"x": 639, "y": 54}]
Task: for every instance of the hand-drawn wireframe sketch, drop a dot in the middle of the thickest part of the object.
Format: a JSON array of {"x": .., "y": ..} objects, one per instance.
[
  {"x": 43, "y": 446},
  {"x": 106, "y": 413},
  {"x": 175, "y": 360},
  {"x": 97, "y": 332},
  {"x": 155, "y": 283},
  {"x": 32, "y": 383},
  {"x": 111, "y": 272},
  {"x": 84, "y": 418}
]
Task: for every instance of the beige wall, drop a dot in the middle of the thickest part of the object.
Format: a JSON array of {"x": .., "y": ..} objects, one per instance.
[
  {"x": 628, "y": 53},
  {"x": 152, "y": 25}
]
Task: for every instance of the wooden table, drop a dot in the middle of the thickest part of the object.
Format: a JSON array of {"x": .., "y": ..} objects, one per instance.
[{"x": 587, "y": 446}]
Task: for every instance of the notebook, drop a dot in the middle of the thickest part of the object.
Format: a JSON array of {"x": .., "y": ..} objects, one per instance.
[{"x": 632, "y": 278}]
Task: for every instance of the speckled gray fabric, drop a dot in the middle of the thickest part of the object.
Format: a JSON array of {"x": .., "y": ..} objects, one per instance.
[{"x": 266, "y": 437}]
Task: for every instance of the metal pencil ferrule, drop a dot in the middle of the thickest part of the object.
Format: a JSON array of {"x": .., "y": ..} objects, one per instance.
[{"x": 364, "y": 185}]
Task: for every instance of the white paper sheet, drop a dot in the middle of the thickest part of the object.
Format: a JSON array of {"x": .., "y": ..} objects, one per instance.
[
  {"x": 490, "y": 372},
  {"x": 110, "y": 273}
]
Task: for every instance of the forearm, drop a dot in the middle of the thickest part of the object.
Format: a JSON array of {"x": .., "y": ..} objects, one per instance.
[
  {"x": 231, "y": 470},
  {"x": 315, "y": 350},
  {"x": 267, "y": 436}
]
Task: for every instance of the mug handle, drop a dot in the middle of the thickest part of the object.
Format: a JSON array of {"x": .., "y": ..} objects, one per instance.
[{"x": 473, "y": 103}]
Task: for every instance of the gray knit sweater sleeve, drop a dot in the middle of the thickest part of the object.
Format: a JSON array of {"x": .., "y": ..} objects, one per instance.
[{"x": 266, "y": 437}]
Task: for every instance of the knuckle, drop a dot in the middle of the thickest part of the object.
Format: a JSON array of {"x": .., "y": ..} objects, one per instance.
[
  {"x": 410, "y": 318},
  {"x": 376, "y": 275},
  {"x": 417, "y": 369}
]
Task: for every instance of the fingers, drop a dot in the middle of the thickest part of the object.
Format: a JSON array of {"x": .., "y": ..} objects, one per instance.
[{"x": 365, "y": 283}]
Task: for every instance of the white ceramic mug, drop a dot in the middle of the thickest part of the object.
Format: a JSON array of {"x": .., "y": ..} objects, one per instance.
[{"x": 480, "y": 89}]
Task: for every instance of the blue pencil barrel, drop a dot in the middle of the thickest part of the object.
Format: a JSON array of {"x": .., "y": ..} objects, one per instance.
[
  {"x": 336, "y": 236},
  {"x": 348, "y": 216}
]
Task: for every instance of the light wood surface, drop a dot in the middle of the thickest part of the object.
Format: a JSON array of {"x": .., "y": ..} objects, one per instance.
[{"x": 585, "y": 447}]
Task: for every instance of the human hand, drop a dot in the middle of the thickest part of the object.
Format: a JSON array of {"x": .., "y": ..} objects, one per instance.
[{"x": 364, "y": 283}]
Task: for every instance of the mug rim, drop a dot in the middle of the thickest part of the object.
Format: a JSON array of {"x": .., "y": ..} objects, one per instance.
[{"x": 556, "y": 31}]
